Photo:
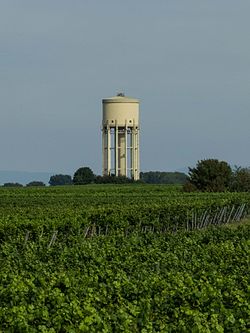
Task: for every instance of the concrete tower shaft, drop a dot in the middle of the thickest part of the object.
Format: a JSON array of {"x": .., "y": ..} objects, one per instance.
[{"x": 120, "y": 130}]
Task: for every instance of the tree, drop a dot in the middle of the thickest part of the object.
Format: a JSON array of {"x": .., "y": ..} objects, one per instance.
[
  {"x": 83, "y": 175},
  {"x": 240, "y": 180},
  {"x": 35, "y": 183},
  {"x": 113, "y": 180},
  {"x": 210, "y": 175},
  {"x": 60, "y": 180},
  {"x": 162, "y": 177},
  {"x": 12, "y": 185}
]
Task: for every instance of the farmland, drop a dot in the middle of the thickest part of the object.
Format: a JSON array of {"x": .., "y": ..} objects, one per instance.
[{"x": 130, "y": 258}]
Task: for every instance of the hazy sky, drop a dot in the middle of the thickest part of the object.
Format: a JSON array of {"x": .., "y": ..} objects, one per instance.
[{"x": 188, "y": 61}]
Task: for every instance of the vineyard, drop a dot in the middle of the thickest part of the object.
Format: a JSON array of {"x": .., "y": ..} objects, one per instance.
[{"x": 123, "y": 258}]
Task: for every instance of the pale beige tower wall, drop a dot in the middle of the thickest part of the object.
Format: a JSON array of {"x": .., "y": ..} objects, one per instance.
[
  {"x": 122, "y": 110},
  {"x": 120, "y": 127}
]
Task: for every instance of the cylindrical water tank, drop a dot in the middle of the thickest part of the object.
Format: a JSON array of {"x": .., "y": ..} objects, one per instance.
[{"x": 120, "y": 111}]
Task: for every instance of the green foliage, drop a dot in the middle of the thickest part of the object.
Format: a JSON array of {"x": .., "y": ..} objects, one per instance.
[
  {"x": 55, "y": 277},
  {"x": 189, "y": 187},
  {"x": 141, "y": 283},
  {"x": 60, "y": 180},
  {"x": 159, "y": 177},
  {"x": 240, "y": 180},
  {"x": 210, "y": 175},
  {"x": 113, "y": 180},
  {"x": 35, "y": 183},
  {"x": 12, "y": 185},
  {"x": 83, "y": 176}
]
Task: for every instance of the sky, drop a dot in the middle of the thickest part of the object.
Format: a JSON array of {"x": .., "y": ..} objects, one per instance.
[{"x": 188, "y": 62}]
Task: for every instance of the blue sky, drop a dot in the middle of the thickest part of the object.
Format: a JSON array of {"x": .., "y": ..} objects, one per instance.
[{"x": 187, "y": 61}]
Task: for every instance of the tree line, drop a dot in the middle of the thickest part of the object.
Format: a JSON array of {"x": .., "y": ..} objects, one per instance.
[
  {"x": 212, "y": 175},
  {"x": 84, "y": 175},
  {"x": 209, "y": 175}
]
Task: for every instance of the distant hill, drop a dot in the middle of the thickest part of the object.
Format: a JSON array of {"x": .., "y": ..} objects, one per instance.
[{"x": 24, "y": 177}]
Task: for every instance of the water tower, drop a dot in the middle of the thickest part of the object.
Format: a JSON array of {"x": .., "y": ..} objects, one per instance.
[{"x": 120, "y": 137}]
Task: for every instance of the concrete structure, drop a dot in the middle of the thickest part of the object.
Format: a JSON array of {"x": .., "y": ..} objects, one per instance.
[{"x": 120, "y": 137}]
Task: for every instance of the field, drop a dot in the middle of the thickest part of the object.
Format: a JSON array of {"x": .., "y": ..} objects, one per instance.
[{"x": 130, "y": 258}]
